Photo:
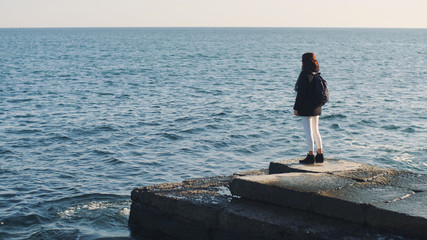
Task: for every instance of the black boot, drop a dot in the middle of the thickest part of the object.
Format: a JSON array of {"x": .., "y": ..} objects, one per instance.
[
  {"x": 319, "y": 158},
  {"x": 307, "y": 160}
]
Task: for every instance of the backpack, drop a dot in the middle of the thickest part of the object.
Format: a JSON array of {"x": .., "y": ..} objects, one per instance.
[{"x": 321, "y": 93}]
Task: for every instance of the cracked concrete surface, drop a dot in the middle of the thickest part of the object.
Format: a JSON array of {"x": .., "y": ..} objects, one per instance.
[
  {"x": 305, "y": 202},
  {"x": 354, "y": 192}
]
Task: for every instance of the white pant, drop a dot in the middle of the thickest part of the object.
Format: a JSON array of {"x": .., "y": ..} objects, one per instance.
[{"x": 311, "y": 127}]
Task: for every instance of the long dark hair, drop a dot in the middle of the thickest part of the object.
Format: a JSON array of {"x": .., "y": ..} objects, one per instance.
[{"x": 309, "y": 62}]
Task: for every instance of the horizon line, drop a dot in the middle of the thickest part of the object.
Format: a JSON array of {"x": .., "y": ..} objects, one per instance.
[{"x": 89, "y": 27}]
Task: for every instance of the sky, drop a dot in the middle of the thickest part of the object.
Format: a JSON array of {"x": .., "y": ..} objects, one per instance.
[{"x": 213, "y": 13}]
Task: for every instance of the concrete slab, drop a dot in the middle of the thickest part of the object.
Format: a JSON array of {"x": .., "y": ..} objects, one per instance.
[
  {"x": 329, "y": 166},
  {"x": 368, "y": 193},
  {"x": 352, "y": 202},
  {"x": 301, "y": 182},
  {"x": 304, "y": 202},
  {"x": 263, "y": 171},
  {"x": 365, "y": 174},
  {"x": 287, "y": 189},
  {"x": 359, "y": 172},
  {"x": 408, "y": 214},
  {"x": 208, "y": 191},
  {"x": 164, "y": 212},
  {"x": 414, "y": 181},
  {"x": 338, "y": 196}
]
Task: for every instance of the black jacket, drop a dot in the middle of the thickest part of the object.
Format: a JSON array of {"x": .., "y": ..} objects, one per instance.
[{"x": 305, "y": 90}]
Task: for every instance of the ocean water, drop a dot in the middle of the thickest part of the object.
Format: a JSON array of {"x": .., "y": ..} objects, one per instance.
[{"x": 87, "y": 115}]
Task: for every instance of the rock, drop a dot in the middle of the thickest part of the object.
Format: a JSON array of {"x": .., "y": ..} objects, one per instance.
[
  {"x": 205, "y": 209},
  {"x": 334, "y": 200}
]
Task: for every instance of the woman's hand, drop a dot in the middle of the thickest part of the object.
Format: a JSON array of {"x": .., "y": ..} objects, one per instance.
[{"x": 296, "y": 112}]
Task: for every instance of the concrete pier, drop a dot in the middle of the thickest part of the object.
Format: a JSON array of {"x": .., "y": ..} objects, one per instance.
[{"x": 333, "y": 200}]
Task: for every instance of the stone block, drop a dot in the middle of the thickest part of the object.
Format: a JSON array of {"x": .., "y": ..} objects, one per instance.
[
  {"x": 365, "y": 174},
  {"x": 415, "y": 181},
  {"x": 352, "y": 202},
  {"x": 405, "y": 215},
  {"x": 288, "y": 189},
  {"x": 203, "y": 209},
  {"x": 263, "y": 171},
  {"x": 329, "y": 166},
  {"x": 161, "y": 225}
]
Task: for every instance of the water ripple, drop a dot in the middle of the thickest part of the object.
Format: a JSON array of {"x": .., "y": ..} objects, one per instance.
[{"x": 89, "y": 114}]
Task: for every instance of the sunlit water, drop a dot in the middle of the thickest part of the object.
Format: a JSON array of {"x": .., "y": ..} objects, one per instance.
[{"x": 87, "y": 115}]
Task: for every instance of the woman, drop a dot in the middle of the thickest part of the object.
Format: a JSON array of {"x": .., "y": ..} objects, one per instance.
[{"x": 305, "y": 108}]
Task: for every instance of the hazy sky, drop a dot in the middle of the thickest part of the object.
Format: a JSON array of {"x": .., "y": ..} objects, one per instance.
[{"x": 214, "y": 13}]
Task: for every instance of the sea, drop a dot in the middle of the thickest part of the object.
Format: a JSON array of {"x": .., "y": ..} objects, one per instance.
[{"x": 89, "y": 114}]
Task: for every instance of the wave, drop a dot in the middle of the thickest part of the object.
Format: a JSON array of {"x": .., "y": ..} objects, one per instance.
[
  {"x": 106, "y": 128},
  {"x": 193, "y": 130},
  {"x": 63, "y": 234},
  {"x": 244, "y": 151},
  {"x": 367, "y": 122},
  {"x": 238, "y": 136},
  {"x": 334, "y": 116},
  {"x": 61, "y": 137},
  {"x": 151, "y": 123},
  {"x": 211, "y": 126},
  {"x": 101, "y": 211},
  {"x": 85, "y": 198},
  {"x": 115, "y": 161},
  {"x": 409, "y": 130},
  {"x": 105, "y": 94},
  {"x": 27, "y": 115},
  {"x": 23, "y": 131},
  {"x": 102, "y": 152},
  {"x": 19, "y": 220},
  {"x": 20, "y": 100},
  {"x": 5, "y": 151},
  {"x": 199, "y": 55},
  {"x": 171, "y": 136},
  {"x": 92, "y": 130},
  {"x": 183, "y": 119},
  {"x": 7, "y": 171},
  {"x": 123, "y": 96},
  {"x": 390, "y": 127},
  {"x": 218, "y": 114},
  {"x": 220, "y": 144}
]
